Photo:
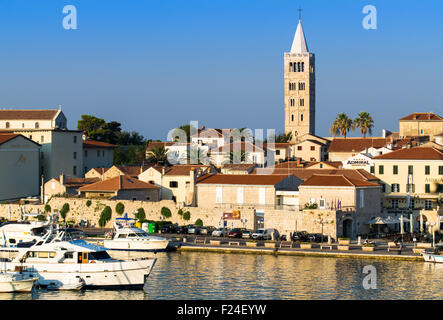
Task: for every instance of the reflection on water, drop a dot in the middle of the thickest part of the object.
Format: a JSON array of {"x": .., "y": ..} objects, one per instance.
[{"x": 192, "y": 275}]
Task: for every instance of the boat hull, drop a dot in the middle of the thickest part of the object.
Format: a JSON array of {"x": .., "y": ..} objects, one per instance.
[
  {"x": 118, "y": 274},
  {"x": 137, "y": 245},
  {"x": 429, "y": 257},
  {"x": 17, "y": 286}
]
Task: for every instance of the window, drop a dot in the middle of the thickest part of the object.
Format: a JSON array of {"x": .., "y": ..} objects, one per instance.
[
  {"x": 312, "y": 148},
  {"x": 7, "y": 124},
  {"x": 292, "y": 117},
  {"x": 312, "y": 159},
  {"x": 30, "y": 137},
  {"x": 23, "y": 125},
  {"x": 277, "y": 152},
  {"x": 86, "y": 169},
  {"x": 75, "y": 155},
  {"x": 440, "y": 169},
  {"x": 98, "y": 153},
  {"x": 428, "y": 204},
  {"x": 383, "y": 187},
  {"x": 381, "y": 169},
  {"x": 301, "y": 117},
  {"x": 373, "y": 169},
  {"x": 395, "y": 187},
  {"x": 427, "y": 170},
  {"x": 240, "y": 193},
  {"x": 412, "y": 203},
  {"x": 395, "y": 170},
  {"x": 42, "y": 139},
  {"x": 427, "y": 188},
  {"x": 173, "y": 184},
  {"x": 321, "y": 203},
  {"x": 218, "y": 195},
  {"x": 103, "y": 153},
  {"x": 394, "y": 203},
  {"x": 302, "y": 102},
  {"x": 86, "y": 153},
  {"x": 410, "y": 188},
  {"x": 299, "y": 148},
  {"x": 75, "y": 139},
  {"x": 37, "y": 125},
  {"x": 410, "y": 169},
  {"x": 74, "y": 170},
  {"x": 362, "y": 198},
  {"x": 68, "y": 255}
]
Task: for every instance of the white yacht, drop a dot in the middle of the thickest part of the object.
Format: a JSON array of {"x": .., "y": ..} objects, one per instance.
[
  {"x": 129, "y": 238},
  {"x": 15, "y": 232},
  {"x": 62, "y": 264},
  {"x": 16, "y": 282}
]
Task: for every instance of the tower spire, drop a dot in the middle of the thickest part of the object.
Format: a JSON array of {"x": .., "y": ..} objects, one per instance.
[{"x": 299, "y": 44}]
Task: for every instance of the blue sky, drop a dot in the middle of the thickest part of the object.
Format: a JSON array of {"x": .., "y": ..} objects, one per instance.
[{"x": 154, "y": 65}]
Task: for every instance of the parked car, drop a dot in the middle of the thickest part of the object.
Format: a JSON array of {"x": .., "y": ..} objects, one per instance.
[
  {"x": 220, "y": 232},
  {"x": 301, "y": 236},
  {"x": 314, "y": 237},
  {"x": 246, "y": 234},
  {"x": 193, "y": 229},
  {"x": 235, "y": 233},
  {"x": 261, "y": 234},
  {"x": 182, "y": 229},
  {"x": 206, "y": 230},
  {"x": 169, "y": 228}
]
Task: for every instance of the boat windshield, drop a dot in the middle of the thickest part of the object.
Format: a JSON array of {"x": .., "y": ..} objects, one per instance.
[
  {"x": 98, "y": 255},
  {"x": 138, "y": 235}
]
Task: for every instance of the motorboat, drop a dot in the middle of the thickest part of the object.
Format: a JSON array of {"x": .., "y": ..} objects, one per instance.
[
  {"x": 13, "y": 233},
  {"x": 130, "y": 238},
  {"x": 61, "y": 264},
  {"x": 16, "y": 282},
  {"x": 433, "y": 256}
]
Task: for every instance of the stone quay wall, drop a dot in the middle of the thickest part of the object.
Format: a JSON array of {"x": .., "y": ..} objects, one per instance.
[{"x": 285, "y": 221}]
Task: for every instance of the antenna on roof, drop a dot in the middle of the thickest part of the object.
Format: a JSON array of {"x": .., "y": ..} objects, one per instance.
[{"x": 59, "y": 107}]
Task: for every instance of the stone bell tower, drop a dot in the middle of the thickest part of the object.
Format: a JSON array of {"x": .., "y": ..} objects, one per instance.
[{"x": 299, "y": 78}]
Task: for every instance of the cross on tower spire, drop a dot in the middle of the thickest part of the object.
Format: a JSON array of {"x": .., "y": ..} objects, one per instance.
[{"x": 299, "y": 13}]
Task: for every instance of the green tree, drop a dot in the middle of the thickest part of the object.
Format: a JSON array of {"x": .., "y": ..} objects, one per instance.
[
  {"x": 119, "y": 208},
  {"x": 105, "y": 216},
  {"x": 140, "y": 214},
  {"x": 198, "y": 222},
  {"x": 157, "y": 155},
  {"x": 64, "y": 211},
  {"x": 88, "y": 203},
  {"x": 341, "y": 125},
  {"x": 365, "y": 122},
  {"x": 237, "y": 156},
  {"x": 180, "y": 212},
  {"x": 165, "y": 212},
  {"x": 47, "y": 208},
  {"x": 187, "y": 215}
]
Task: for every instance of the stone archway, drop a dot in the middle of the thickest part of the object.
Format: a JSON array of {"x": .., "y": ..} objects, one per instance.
[{"x": 347, "y": 228}]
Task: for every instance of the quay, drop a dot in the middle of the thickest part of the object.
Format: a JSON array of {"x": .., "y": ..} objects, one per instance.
[{"x": 241, "y": 246}]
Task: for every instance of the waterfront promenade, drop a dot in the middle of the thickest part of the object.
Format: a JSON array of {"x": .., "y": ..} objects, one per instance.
[{"x": 382, "y": 250}]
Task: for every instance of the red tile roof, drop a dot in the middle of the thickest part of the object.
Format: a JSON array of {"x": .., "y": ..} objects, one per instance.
[
  {"x": 422, "y": 116},
  {"x": 356, "y": 144},
  {"x": 181, "y": 169},
  {"x": 79, "y": 182},
  {"x": 7, "y": 136},
  {"x": 117, "y": 183},
  {"x": 33, "y": 114},
  {"x": 329, "y": 180},
  {"x": 416, "y": 153},
  {"x": 241, "y": 145},
  {"x": 97, "y": 144},
  {"x": 244, "y": 179},
  {"x": 337, "y": 164},
  {"x": 304, "y": 174}
]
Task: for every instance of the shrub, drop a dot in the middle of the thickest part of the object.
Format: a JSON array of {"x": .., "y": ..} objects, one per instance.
[
  {"x": 88, "y": 203},
  {"x": 47, "y": 208},
  {"x": 140, "y": 215},
  {"x": 165, "y": 212},
  {"x": 198, "y": 222},
  {"x": 41, "y": 217},
  {"x": 120, "y": 208},
  {"x": 64, "y": 211},
  {"x": 187, "y": 215},
  {"x": 105, "y": 216},
  {"x": 180, "y": 212}
]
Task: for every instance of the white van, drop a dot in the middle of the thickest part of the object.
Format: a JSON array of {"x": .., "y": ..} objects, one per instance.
[{"x": 265, "y": 234}]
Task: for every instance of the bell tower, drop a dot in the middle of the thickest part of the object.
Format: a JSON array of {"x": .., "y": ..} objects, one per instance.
[{"x": 299, "y": 79}]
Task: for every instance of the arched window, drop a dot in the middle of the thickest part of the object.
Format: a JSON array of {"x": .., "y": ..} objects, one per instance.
[
  {"x": 292, "y": 118},
  {"x": 301, "y": 117},
  {"x": 298, "y": 67},
  {"x": 303, "y": 67},
  {"x": 37, "y": 125},
  {"x": 7, "y": 124},
  {"x": 290, "y": 66}
]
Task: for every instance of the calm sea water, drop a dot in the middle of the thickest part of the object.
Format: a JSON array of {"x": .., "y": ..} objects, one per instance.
[{"x": 192, "y": 275}]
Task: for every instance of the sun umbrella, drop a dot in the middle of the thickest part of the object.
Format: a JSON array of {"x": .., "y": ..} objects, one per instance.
[{"x": 401, "y": 225}]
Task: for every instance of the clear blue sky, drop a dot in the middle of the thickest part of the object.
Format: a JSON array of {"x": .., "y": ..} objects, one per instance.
[{"x": 154, "y": 65}]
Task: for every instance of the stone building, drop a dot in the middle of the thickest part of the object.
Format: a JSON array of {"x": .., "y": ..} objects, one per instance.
[
  {"x": 64, "y": 185},
  {"x": 19, "y": 163},
  {"x": 121, "y": 188},
  {"x": 97, "y": 154},
  {"x": 421, "y": 124},
  {"x": 299, "y": 82}
]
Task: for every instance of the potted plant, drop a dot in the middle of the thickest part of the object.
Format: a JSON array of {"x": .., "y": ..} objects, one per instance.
[
  {"x": 251, "y": 243},
  {"x": 305, "y": 245},
  {"x": 343, "y": 240},
  {"x": 368, "y": 247},
  {"x": 269, "y": 244}
]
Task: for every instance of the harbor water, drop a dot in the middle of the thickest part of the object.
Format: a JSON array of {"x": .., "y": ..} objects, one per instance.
[{"x": 208, "y": 276}]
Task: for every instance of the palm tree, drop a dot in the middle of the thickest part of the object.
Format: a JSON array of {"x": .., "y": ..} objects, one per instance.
[
  {"x": 235, "y": 156},
  {"x": 157, "y": 155},
  {"x": 364, "y": 122},
  {"x": 341, "y": 125}
]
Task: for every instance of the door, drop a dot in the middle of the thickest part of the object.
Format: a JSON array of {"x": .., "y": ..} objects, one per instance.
[{"x": 347, "y": 228}]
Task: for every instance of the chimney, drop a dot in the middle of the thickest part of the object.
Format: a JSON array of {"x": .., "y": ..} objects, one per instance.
[
  {"x": 202, "y": 128},
  {"x": 163, "y": 171},
  {"x": 62, "y": 179}
]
